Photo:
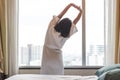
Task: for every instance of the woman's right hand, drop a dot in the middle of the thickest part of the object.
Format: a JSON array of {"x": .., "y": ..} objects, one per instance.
[{"x": 75, "y": 6}]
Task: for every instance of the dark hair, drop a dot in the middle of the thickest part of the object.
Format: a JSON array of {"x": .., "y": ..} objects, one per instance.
[{"x": 63, "y": 27}]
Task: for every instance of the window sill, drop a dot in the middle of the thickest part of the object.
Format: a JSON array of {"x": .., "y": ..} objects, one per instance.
[{"x": 69, "y": 67}]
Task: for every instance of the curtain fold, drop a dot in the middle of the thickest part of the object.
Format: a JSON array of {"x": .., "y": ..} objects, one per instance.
[
  {"x": 3, "y": 39},
  {"x": 1, "y": 52},
  {"x": 8, "y": 36},
  {"x": 12, "y": 24},
  {"x": 117, "y": 38},
  {"x": 110, "y": 18}
]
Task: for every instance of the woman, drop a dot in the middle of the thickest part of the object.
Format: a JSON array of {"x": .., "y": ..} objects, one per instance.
[{"x": 57, "y": 34}]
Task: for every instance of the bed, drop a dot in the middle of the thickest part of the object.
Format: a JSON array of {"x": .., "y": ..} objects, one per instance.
[
  {"x": 50, "y": 77},
  {"x": 110, "y": 72}
]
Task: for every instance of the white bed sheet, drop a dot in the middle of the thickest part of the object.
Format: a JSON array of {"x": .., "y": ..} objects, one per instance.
[{"x": 50, "y": 77}]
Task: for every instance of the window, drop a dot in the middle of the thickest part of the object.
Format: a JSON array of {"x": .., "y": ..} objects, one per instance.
[
  {"x": 94, "y": 32},
  {"x": 85, "y": 48}
]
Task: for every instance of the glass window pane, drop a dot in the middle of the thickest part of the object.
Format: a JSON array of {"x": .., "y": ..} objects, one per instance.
[
  {"x": 94, "y": 32},
  {"x": 34, "y": 16}
]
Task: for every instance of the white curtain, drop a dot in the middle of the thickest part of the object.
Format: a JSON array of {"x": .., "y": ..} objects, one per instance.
[
  {"x": 110, "y": 17},
  {"x": 12, "y": 23}
]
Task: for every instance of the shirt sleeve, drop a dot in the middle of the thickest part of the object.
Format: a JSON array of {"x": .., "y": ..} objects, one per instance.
[
  {"x": 54, "y": 20},
  {"x": 73, "y": 29}
]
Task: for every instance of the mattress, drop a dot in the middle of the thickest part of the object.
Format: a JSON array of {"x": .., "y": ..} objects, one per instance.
[{"x": 50, "y": 77}]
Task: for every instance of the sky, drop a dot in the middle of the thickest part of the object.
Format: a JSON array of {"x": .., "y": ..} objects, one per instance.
[
  {"x": 34, "y": 17},
  {"x": 37, "y": 14}
]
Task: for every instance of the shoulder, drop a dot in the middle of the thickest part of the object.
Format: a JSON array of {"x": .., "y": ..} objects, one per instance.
[
  {"x": 54, "y": 20},
  {"x": 73, "y": 29}
]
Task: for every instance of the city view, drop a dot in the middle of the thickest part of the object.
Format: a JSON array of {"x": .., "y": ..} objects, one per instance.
[{"x": 32, "y": 55}]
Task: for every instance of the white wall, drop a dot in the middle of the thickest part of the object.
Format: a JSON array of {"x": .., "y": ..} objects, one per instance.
[{"x": 83, "y": 72}]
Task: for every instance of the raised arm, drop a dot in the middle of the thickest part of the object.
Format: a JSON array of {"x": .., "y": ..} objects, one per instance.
[
  {"x": 78, "y": 16},
  {"x": 66, "y": 9}
]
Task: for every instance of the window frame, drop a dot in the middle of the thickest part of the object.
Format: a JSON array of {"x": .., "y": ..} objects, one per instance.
[{"x": 83, "y": 35}]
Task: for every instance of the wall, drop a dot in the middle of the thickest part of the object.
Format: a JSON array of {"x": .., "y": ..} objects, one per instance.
[{"x": 82, "y": 72}]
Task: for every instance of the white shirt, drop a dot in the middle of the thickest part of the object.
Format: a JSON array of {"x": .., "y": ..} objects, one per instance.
[
  {"x": 53, "y": 39},
  {"x": 52, "y": 62}
]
